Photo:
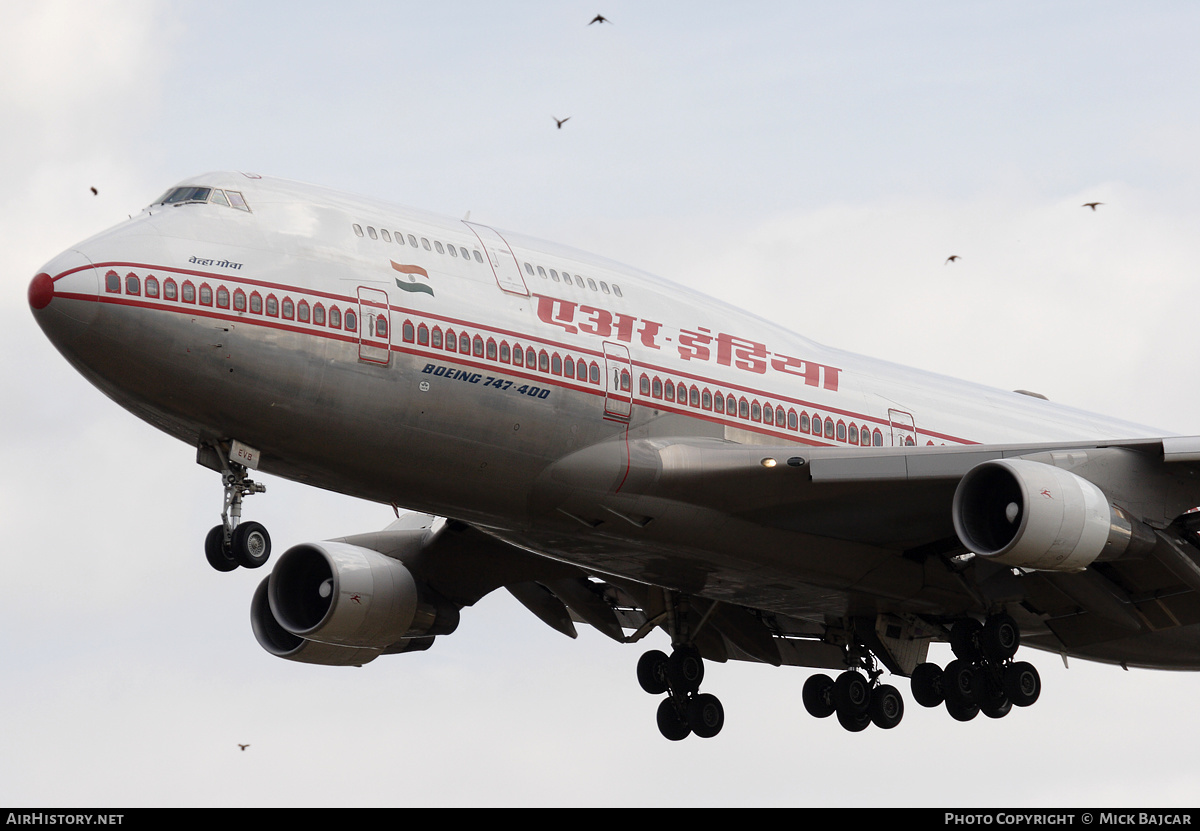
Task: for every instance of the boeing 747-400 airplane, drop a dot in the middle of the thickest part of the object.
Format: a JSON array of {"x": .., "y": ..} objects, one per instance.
[{"x": 618, "y": 450}]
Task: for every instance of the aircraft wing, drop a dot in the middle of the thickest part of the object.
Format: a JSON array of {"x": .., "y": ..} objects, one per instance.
[{"x": 875, "y": 527}]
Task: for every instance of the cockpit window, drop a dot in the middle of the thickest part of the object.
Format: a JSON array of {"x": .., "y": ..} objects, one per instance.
[
  {"x": 191, "y": 193},
  {"x": 195, "y": 194}
]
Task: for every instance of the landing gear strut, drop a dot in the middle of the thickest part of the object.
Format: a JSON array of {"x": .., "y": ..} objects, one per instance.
[{"x": 234, "y": 543}]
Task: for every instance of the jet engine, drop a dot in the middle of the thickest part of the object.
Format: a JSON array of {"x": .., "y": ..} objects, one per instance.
[
  {"x": 340, "y": 604},
  {"x": 1038, "y": 516}
]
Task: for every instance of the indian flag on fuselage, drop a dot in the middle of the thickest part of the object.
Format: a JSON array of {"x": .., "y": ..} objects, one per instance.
[{"x": 418, "y": 278}]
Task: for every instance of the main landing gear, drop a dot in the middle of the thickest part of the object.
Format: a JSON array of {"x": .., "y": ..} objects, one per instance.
[
  {"x": 982, "y": 678},
  {"x": 857, "y": 698},
  {"x": 685, "y": 710},
  {"x": 234, "y": 543}
]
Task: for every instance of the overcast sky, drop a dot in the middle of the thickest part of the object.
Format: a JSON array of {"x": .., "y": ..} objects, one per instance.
[{"x": 814, "y": 162}]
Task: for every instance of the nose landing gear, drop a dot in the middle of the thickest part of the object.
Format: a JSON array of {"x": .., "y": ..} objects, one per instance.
[{"x": 234, "y": 543}]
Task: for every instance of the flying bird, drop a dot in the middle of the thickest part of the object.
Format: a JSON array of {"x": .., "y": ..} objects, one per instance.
[
  {"x": 243, "y": 747},
  {"x": 950, "y": 259},
  {"x": 1091, "y": 205},
  {"x": 95, "y": 192},
  {"x": 560, "y": 121},
  {"x": 599, "y": 19}
]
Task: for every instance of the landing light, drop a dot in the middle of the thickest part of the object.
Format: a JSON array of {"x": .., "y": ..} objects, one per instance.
[{"x": 768, "y": 462}]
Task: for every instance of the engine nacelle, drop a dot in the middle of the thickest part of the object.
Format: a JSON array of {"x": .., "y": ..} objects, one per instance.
[
  {"x": 1033, "y": 515},
  {"x": 282, "y": 643},
  {"x": 345, "y": 595}
]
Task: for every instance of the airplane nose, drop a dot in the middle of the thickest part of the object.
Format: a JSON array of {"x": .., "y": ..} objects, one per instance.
[
  {"x": 41, "y": 291},
  {"x": 63, "y": 295}
]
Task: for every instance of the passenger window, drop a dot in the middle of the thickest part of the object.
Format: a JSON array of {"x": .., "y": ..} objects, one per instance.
[
  {"x": 335, "y": 317},
  {"x": 383, "y": 232},
  {"x": 151, "y": 286},
  {"x": 412, "y": 240},
  {"x": 425, "y": 244},
  {"x": 170, "y": 290},
  {"x": 439, "y": 248},
  {"x": 478, "y": 258},
  {"x": 351, "y": 321},
  {"x": 289, "y": 308},
  {"x": 132, "y": 284},
  {"x": 239, "y": 300},
  {"x": 453, "y": 251},
  {"x": 604, "y": 287},
  {"x": 371, "y": 233},
  {"x": 302, "y": 311},
  {"x": 617, "y": 290},
  {"x": 256, "y": 303}
]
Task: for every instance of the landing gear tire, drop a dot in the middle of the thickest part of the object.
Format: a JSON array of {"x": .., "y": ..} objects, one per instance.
[
  {"x": 964, "y": 639},
  {"x": 851, "y": 693},
  {"x": 218, "y": 556},
  {"x": 1000, "y": 638},
  {"x": 961, "y": 712},
  {"x": 671, "y": 722},
  {"x": 1022, "y": 684},
  {"x": 818, "y": 696},
  {"x": 251, "y": 544},
  {"x": 705, "y": 715},
  {"x": 928, "y": 687},
  {"x": 652, "y": 672},
  {"x": 854, "y": 722},
  {"x": 685, "y": 670},
  {"x": 961, "y": 680},
  {"x": 996, "y": 708},
  {"x": 887, "y": 706}
]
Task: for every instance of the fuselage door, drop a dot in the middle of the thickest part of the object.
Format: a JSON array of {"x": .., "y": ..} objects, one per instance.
[
  {"x": 374, "y": 326},
  {"x": 501, "y": 258},
  {"x": 618, "y": 384},
  {"x": 904, "y": 429}
]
